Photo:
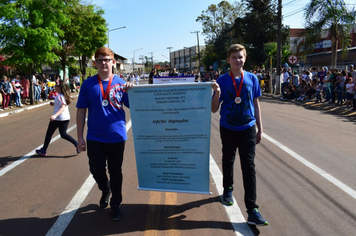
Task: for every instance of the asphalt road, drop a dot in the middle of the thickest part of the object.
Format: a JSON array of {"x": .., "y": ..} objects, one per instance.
[{"x": 305, "y": 164}]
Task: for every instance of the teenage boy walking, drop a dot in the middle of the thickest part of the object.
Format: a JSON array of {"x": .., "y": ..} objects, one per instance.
[
  {"x": 104, "y": 95},
  {"x": 237, "y": 91}
]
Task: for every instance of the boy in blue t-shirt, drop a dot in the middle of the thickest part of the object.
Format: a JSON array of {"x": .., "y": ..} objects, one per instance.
[
  {"x": 104, "y": 95},
  {"x": 237, "y": 91}
]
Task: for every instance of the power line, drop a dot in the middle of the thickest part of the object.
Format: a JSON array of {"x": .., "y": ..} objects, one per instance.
[
  {"x": 288, "y": 3},
  {"x": 294, "y": 12}
]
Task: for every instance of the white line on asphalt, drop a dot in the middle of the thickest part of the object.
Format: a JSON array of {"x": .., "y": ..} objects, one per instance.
[
  {"x": 235, "y": 215},
  {"x": 28, "y": 155},
  {"x": 66, "y": 216},
  {"x": 318, "y": 170}
]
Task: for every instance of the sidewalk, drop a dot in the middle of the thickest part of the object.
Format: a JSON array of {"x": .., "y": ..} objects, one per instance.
[
  {"x": 16, "y": 110},
  {"x": 340, "y": 110}
]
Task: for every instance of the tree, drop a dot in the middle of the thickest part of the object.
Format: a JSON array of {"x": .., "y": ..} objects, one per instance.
[
  {"x": 271, "y": 51},
  {"x": 218, "y": 17},
  {"x": 3, "y": 68},
  {"x": 257, "y": 28},
  {"x": 85, "y": 33},
  {"x": 92, "y": 29},
  {"x": 328, "y": 15},
  {"x": 29, "y": 32},
  {"x": 217, "y": 22}
]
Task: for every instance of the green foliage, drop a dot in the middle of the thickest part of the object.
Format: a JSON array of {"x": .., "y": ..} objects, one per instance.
[
  {"x": 218, "y": 17},
  {"x": 252, "y": 23},
  {"x": 85, "y": 33},
  {"x": 30, "y": 30},
  {"x": 258, "y": 27},
  {"x": 333, "y": 16},
  {"x": 271, "y": 51},
  {"x": 92, "y": 29}
]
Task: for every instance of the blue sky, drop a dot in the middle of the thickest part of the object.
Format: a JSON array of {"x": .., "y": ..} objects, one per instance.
[{"x": 156, "y": 25}]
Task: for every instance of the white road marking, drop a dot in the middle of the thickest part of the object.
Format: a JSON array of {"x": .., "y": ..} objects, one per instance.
[
  {"x": 28, "y": 155},
  {"x": 234, "y": 212},
  {"x": 318, "y": 170},
  {"x": 66, "y": 216},
  {"x": 235, "y": 215}
]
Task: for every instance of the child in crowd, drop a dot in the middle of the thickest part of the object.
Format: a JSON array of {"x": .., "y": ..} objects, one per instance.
[
  {"x": 327, "y": 86},
  {"x": 60, "y": 118},
  {"x": 318, "y": 89},
  {"x": 349, "y": 91}
]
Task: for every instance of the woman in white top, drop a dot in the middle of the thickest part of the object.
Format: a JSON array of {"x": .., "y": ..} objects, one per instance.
[{"x": 60, "y": 118}]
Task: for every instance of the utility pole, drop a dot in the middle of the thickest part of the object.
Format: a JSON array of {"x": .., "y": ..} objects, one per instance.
[
  {"x": 151, "y": 58},
  {"x": 279, "y": 48},
  {"x": 197, "y": 32},
  {"x": 170, "y": 65}
]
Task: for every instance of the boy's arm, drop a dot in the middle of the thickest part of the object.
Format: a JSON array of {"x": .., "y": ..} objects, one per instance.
[
  {"x": 258, "y": 118},
  {"x": 215, "y": 102},
  {"x": 81, "y": 113}
]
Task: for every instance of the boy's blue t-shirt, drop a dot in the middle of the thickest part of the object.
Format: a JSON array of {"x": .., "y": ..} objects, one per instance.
[
  {"x": 238, "y": 116},
  {"x": 105, "y": 123}
]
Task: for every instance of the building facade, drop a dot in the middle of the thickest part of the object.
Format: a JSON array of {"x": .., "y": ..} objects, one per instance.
[
  {"x": 322, "y": 53},
  {"x": 186, "y": 59}
]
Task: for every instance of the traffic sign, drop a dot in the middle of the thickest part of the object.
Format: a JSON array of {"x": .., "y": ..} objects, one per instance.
[{"x": 292, "y": 59}]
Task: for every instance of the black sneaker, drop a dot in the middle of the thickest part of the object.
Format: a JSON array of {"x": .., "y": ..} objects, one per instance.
[
  {"x": 227, "y": 198},
  {"x": 255, "y": 218},
  {"x": 104, "y": 200},
  {"x": 41, "y": 152},
  {"x": 116, "y": 213}
]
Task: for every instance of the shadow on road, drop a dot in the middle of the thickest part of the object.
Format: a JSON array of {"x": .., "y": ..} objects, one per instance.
[{"x": 91, "y": 220}]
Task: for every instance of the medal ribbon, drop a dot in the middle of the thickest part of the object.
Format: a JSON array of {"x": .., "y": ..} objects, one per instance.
[
  {"x": 234, "y": 82},
  {"x": 106, "y": 94}
]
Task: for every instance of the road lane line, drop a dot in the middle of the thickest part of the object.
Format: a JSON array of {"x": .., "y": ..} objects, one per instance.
[
  {"x": 28, "y": 155},
  {"x": 234, "y": 212},
  {"x": 66, "y": 216},
  {"x": 318, "y": 170},
  {"x": 153, "y": 214},
  {"x": 171, "y": 222}
]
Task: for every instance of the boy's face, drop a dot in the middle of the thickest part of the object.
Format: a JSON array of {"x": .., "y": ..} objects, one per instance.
[
  {"x": 237, "y": 60},
  {"x": 104, "y": 64}
]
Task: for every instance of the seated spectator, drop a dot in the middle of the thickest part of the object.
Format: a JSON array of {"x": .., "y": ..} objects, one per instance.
[
  {"x": 310, "y": 90},
  {"x": 290, "y": 93}
]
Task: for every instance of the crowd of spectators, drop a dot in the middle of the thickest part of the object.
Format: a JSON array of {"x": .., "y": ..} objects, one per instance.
[
  {"x": 324, "y": 85},
  {"x": 15, "y": 90}
]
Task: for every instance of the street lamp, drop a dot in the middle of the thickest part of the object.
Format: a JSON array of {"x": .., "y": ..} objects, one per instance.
[
  {"x": 113, "y": 30},
  {"x": 133, "y": 60}
]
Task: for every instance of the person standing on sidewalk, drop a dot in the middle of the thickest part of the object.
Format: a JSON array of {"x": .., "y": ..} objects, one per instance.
[
  {"x": 60, "y": 118},
  {"x": 17, "y": 90},
  {"x": 25, "y": 83},
  {"x": 238, "y": 92},
  {"x": 104, "y": 96},
  {"x": 5, "y": 88}
]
